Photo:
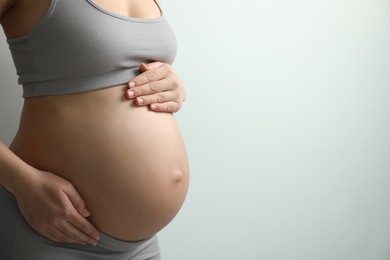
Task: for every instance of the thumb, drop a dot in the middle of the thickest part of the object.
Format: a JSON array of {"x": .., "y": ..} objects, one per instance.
[
  {"x": 153, "y": 65},
  {"x": 143, "y": 67},
  {"x": 77, "y": 201}
]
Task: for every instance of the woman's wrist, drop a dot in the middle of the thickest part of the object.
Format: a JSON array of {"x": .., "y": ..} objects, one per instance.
[
  {"x": 14, "y": 172},
  {"x": 18, "y": 179}
]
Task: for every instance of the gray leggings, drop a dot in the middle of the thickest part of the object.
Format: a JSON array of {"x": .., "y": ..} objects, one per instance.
[{"x": 18, "y": 241}]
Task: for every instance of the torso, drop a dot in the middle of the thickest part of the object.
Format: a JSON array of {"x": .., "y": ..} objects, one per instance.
[{"x": 128, "y": 163}]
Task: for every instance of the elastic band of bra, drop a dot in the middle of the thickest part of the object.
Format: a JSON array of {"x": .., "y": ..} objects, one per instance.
[{"x": 113, "y": 244}]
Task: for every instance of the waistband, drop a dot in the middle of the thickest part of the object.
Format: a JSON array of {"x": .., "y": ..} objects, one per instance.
[{"x": 113, "y": 244}]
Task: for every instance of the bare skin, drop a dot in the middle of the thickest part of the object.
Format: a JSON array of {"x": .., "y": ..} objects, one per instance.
[
  {"x": 165, "y": 94},
  {"x": 97, "y": 161}
]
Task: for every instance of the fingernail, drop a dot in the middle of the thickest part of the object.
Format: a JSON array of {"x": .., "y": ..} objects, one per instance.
[
  {"x": 86, "y": 213},
  {"x": 132, "y": 84},
  {"x": 153, "y": 107},
  {"x": 130, "y": 93},
  {"x": 140, "y": 101}
]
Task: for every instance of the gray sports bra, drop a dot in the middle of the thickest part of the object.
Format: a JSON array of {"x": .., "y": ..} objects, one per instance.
[{"x": 79, "y": 46}]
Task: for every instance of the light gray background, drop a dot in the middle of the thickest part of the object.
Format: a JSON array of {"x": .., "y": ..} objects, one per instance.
[{"x": 287, "y": 125}]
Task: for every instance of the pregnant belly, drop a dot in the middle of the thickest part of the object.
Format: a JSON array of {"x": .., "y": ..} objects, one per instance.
[{"x": 128, "y": 163}]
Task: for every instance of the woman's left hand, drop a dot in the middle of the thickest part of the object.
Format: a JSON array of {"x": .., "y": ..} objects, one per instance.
[{"x": 157, "y": 87}]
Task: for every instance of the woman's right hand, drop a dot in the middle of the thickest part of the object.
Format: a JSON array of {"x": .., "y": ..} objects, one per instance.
[{"x": 52, "y": 207}]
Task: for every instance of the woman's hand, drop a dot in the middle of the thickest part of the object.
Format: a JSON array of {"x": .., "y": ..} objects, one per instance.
[
  {"x": 157, "y": 87},
  {"x": 52, "y": 207}
]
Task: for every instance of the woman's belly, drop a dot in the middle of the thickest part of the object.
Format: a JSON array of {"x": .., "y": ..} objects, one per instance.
[{"x": 128, "y": 163}]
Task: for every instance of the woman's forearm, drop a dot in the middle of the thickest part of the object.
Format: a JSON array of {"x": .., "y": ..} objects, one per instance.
[{"x": 12, "y": 168}]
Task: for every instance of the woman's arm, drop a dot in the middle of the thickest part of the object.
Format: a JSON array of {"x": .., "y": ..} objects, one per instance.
[
  {"x": 157, "y": 87},
  {"x": 49, "y": 204}
]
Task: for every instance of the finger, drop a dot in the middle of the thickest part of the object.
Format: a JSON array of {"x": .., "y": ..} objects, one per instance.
[
  {"x": 76, "y": 200},
  {"x": 153, "y": 65},
  {"x": 159, "y": 97},
  {"x": 75, "y": 235},
  {"x": 148, "y": 89},
  {"x": 88, "y": 231},
  {"x": 150, "y": 75},
  {"x": 144, "y": 67},
  {"x": 165, "y": 84},
  {"x": 79, "y": 219},
  {"x": 56, "y": 235},
  {"x": 61, "y": 231},
  {"x": 67, "y": 237},
  {"x": 65, "y": 232},
  {"x": 166, "y": 107}
]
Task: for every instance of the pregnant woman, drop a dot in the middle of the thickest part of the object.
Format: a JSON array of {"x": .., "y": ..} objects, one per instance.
[{"x": 94, "y": 171}]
